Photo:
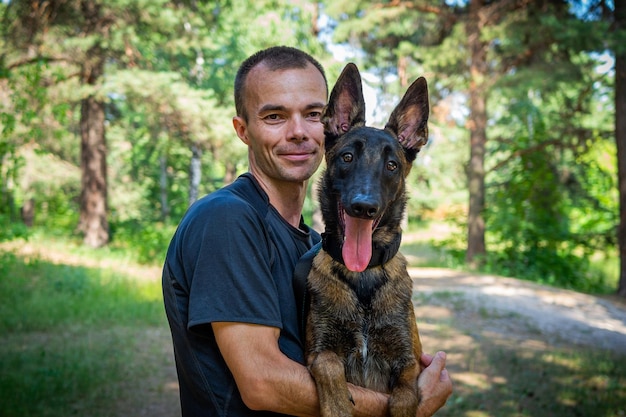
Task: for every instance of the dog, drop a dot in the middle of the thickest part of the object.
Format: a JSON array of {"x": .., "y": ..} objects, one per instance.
[{"x": 360, "y": 325}]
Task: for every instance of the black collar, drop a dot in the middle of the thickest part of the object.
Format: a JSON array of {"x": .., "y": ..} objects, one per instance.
[{"x": 380, "y": 254}]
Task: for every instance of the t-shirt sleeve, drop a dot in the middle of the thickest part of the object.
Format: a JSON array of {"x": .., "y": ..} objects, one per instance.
[{"x": 229, "y": 261}]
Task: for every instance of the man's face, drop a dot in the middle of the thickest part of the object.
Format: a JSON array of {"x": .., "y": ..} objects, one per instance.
[{"x": 283, "y": 131}]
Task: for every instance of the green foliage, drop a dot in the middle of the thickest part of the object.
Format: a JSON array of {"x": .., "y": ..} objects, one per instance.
[
  {"x": 21, "y": 106},
  {"x": 551, "y": 192},
  {"x": 147, "y": 242},
  {"x": 10, "y": 230},
  {"x": 551, "y": 198},
  {"x": 168, "y": 87},
  {"x": 551, "y": 201}
]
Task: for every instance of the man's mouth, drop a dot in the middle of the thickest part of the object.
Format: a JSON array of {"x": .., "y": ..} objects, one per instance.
[{"x": 297, "y": 155}]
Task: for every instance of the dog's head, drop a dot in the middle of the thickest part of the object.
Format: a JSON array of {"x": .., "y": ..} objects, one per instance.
[{"x": 366, "y": 167}]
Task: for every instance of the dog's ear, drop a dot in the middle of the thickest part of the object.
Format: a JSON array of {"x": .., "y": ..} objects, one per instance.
[
  {"x": 409, "y": 120},
  {"x": 346, "y": 106}
]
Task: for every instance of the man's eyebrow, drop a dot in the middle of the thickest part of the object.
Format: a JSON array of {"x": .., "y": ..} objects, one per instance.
[
  {"x": 316, "y": 105},
  {"x": 272, "y": 107},
  {"x": 278, "y": 107}
]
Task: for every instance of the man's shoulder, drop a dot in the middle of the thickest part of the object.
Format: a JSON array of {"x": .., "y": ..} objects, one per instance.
[{"x": 240, "y": 196}]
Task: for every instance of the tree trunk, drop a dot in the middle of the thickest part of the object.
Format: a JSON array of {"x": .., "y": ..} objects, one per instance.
[
  {"x": 28, "y": 212},
  {"x": 620, "y": 139},
  {"x": 165, "y": 206},
  {"x": 477, "y": 125},
  {"x": 93, "y": 200},
  {"x": 231, "y": 173},
  {"x": 195, "y": 174}
]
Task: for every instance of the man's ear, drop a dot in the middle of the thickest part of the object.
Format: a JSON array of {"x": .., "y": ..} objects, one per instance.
[
  {"x": 346, "y": 106},
  {"x": 241, "y": 128},
  {"x": 409, "y": 120}
]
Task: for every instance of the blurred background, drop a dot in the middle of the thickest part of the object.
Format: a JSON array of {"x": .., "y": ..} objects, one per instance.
[{"x": 116, "y": 115}]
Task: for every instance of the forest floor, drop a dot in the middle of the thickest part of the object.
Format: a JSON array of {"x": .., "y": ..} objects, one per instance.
[
  {"x": 514, "y": 347},
  {"x": 471, "y": 317}
]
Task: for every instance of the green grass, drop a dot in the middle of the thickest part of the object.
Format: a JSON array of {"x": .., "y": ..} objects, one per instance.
[
  {"x": 68, "y": 336},
  {"x": 514, "y": 381},
  {"x": 93, "y": 341},
  {"x": 49, "y": 296},
  {"x": 514, "y": 372}
]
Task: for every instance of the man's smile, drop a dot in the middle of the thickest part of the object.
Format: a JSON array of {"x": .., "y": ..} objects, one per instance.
[{"x": 297, "y": 155}]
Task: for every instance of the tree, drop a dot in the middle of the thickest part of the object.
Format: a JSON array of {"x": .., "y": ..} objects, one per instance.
[
  {"x": 147, "y": 85},
  {"x": 93, "y": 160},
  {"x": 620, "y": 134},
  {"x": 478, "y": 90},
  {"x": 459, "y": 44},
  {"x": 79, "y": 37},
  {"x": 526, "y": 75}
]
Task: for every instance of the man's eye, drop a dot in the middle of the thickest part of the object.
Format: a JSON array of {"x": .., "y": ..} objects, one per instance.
[
  {"x": 273, "y": 118},
  {"x": 315, "y": 115}
]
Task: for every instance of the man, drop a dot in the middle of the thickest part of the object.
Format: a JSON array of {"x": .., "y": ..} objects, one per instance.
[{"x": 227, "y": 278}]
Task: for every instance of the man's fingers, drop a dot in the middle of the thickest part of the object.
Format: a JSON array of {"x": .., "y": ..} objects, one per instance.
[
  {"x": 439, "y": 361},
  {"x": 426, "y": 359},
  {"x": 444, "y": 376}
]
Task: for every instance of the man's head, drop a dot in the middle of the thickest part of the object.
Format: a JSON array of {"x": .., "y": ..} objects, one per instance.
[
  {"x": 281, "y": 93},
  {"x": 274, "y": 58}
]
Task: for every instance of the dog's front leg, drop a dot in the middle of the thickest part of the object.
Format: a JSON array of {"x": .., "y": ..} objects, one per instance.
[
  {"x": 330, "y": 378},
  {"x": 405, "y": 395}
]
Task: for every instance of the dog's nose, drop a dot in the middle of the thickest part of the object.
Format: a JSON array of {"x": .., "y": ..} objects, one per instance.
[{"x": 363, "y": 207}]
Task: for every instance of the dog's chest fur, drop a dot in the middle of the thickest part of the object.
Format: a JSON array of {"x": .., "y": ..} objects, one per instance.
[{"x": 358, "y": 322}]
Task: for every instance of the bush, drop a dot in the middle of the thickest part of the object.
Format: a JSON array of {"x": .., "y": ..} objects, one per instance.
[
  {"x": 148, "y": 242},
  {"x": 12, "y": 230}
]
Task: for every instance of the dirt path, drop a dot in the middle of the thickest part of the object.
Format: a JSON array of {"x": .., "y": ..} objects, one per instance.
[
  {"x": 517, "y": 308},
  {"x": 476, "y": 306}
]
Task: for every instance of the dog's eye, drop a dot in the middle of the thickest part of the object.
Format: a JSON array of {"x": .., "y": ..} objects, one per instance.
[
  {"x": 392, "y": 165},
  {"x": 347, "y": 157}
]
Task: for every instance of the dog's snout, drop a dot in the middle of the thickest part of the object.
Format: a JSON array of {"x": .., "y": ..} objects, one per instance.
[{"x": 363, "y": 207}]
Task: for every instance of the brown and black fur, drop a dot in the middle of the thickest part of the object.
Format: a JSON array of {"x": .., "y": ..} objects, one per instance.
[{"x": 361, "y": 326}]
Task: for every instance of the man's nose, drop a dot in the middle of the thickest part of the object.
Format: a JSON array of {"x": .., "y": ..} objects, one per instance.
[{"x": 297, "y": 130}]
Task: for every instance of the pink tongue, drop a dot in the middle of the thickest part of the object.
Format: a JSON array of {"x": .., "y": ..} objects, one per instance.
[{"x": 357, "y": 248}]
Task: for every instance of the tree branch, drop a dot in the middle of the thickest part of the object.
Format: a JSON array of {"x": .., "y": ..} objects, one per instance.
[
  {"x": 526, "y": 151},
  {"x": 39, "y": 58},
  {"x": 426, "y": 8}
]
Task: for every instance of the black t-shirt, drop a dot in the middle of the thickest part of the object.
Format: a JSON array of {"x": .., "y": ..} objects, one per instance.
[{"x": 230, "y": 260}]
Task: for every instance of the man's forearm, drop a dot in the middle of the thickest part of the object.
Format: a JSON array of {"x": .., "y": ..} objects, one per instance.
[{"x": 368, "y": 403}]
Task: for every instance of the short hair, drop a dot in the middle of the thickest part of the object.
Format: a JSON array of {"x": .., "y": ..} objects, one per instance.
[{"x": 276, "y": 58}]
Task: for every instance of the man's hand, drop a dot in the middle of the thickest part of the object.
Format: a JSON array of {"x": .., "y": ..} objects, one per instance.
[{"x": 434, "y": 383}]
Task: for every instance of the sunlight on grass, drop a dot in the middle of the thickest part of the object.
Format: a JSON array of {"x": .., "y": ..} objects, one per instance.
[
  {"x": 476, "y": 414},
  {"x": 59, "y": 294},
  {"x": 80, "y": 332},
  {"x": 68, "y": 334},
  {"x": 473, "y": 380}
]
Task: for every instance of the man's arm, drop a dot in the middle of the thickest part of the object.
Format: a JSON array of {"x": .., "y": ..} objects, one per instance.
[
  {"x": 269, "y": 380},
  {"x": 266, "y": 378}
]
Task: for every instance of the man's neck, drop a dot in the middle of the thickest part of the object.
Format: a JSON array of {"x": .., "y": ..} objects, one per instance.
[{"x": 286, "y": 197}]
